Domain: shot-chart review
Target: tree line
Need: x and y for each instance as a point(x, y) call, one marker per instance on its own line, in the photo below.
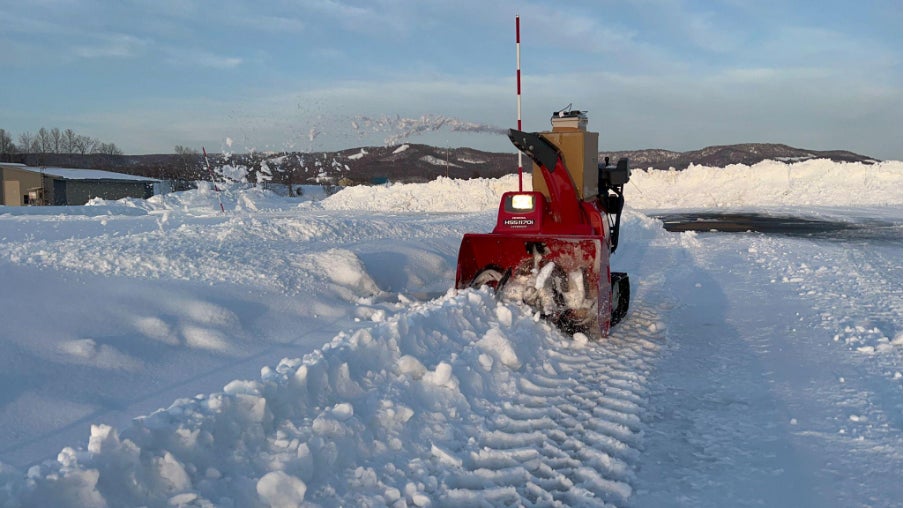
point(54, 141)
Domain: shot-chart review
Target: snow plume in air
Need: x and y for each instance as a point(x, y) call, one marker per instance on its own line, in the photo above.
point(399, 128)
point(313, 133)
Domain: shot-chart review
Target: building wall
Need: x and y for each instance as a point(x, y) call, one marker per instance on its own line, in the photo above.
point(55, 191)
point(79, 192)
point(16, 183)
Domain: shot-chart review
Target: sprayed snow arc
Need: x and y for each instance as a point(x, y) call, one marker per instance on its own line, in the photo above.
point(316, 355)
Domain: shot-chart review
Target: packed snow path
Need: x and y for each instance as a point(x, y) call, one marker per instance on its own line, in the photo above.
point(781, 381)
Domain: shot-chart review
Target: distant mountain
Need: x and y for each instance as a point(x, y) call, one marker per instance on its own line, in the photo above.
point(410, 162)
point(415, 162)
point(721, 156)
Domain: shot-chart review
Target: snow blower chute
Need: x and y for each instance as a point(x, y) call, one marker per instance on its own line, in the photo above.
point(550, 248)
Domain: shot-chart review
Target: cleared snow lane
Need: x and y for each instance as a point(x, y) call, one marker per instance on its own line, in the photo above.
point(781, 382)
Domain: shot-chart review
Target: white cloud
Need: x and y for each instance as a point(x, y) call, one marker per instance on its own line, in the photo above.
point(199, 57)
point(379, 17)
point(272, 23)
point(112, 46)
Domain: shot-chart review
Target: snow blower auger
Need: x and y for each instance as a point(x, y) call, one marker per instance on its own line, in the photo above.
point(550, 248)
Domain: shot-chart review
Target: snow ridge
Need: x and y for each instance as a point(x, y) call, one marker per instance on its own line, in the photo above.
point(818, 182)
point(461, 400)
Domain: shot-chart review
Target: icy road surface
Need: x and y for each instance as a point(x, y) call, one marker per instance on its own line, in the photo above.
point(307, 367)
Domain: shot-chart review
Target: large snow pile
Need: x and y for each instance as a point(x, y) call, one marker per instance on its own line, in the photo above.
point(440, 195)
point(818, 182)
point(206, 199)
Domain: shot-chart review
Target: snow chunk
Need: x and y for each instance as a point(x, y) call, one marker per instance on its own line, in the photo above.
point(281, 490)
point(411, 366)
point(347, 271)
point(442, 376)
point(444, 456)
point(102, 437)
point(504, 315)
point(185, 499)
point(499, 346)
point(172, 475)
point(343, 411)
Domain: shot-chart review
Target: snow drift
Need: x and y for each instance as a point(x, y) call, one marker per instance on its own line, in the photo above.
point(818, 182)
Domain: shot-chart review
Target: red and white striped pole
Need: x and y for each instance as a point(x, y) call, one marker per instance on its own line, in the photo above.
point(518, 72)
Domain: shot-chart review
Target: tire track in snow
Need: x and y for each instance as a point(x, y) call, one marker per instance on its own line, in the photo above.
point(570, 433)
point(755, 403)
point(850, 296)
point(843, 280)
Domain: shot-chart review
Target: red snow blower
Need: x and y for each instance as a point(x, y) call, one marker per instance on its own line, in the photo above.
point(551, 246)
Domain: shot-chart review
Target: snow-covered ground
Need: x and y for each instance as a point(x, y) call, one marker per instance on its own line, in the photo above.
point(309, 351)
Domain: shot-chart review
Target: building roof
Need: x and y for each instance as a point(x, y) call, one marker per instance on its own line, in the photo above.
point(80, 174)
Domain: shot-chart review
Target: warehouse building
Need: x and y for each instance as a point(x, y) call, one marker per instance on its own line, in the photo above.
point(25, 185)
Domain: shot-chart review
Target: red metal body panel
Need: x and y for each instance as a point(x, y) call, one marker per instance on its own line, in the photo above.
point(566, 214)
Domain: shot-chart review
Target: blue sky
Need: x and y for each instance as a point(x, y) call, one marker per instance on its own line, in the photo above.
point(240, 75)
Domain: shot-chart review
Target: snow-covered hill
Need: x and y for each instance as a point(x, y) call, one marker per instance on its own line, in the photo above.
point(309, 351)
point(408, 162)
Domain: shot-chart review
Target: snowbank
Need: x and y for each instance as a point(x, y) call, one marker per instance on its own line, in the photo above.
point(201, 202)
point(386, 416)
point(813, 183)
point(818, 182)
point(440, 195)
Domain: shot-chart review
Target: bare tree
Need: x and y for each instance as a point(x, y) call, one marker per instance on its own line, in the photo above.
point(27, 142)
point(85, 144)
point(188, 158)
point(6, 143)
point(56, 140)
point(106, 148)
point(69, 141)
point(184, 150)
point(43, 140)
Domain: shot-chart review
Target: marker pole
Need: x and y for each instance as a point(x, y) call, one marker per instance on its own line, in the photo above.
point(518, 72)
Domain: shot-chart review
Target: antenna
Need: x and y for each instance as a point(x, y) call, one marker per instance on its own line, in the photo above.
point(567, 109)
